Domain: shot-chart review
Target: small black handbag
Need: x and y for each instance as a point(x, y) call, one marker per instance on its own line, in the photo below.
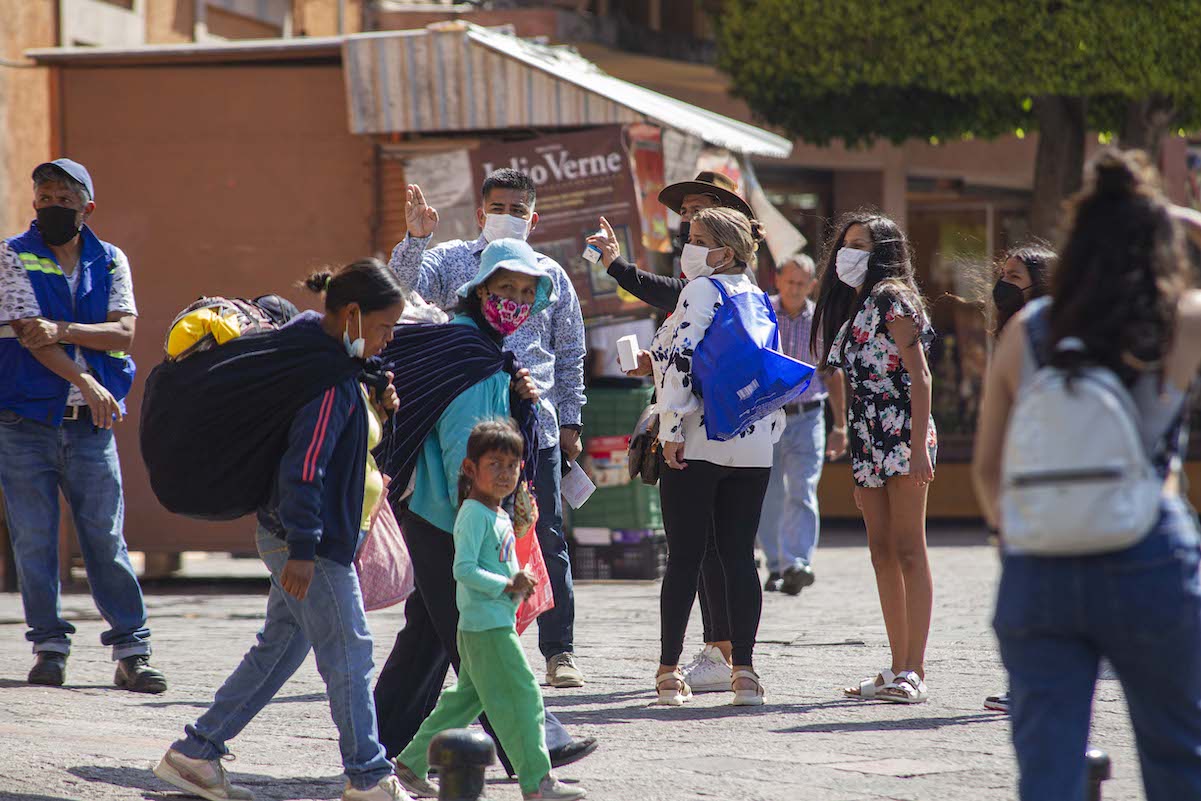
point(646, 453)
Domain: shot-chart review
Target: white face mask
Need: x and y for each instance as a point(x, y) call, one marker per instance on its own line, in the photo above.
point(851, 266)
point(694, 261)
point(355, 349)
point(505, 226)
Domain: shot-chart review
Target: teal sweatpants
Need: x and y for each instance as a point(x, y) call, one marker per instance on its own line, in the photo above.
point(494, 678)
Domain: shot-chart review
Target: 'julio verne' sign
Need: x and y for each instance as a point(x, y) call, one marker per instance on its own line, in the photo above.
point(579, 176)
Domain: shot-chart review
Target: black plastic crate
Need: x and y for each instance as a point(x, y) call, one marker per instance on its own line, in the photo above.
point(636, 561)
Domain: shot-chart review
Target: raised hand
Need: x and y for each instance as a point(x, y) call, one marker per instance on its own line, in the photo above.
point(607, 242)
point(422, 219)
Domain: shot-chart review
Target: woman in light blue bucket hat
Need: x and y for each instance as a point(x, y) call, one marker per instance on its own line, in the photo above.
point(509, 288)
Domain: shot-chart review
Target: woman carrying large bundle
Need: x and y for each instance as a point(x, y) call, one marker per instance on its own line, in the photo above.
point(309, 531)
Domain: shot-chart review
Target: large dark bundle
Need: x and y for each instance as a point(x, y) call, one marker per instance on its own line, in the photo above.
point(215, 425)
point(432, 365)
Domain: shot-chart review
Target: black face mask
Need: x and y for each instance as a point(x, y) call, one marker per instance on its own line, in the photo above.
point(1009, 298)
point(57, 224)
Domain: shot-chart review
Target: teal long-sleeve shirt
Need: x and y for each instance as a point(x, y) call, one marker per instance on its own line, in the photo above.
point(435, 496)
point(485, 562)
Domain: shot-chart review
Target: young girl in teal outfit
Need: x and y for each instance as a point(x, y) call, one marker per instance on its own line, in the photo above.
point(494, 676)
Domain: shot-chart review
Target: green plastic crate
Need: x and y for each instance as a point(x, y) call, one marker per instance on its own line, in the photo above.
point(634, 505)
point(612, 411)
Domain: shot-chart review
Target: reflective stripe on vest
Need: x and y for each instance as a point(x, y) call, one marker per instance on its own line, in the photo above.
point(32, 263)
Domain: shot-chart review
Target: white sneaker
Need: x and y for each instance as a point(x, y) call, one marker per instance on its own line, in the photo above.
point(709, 672)
point(203, 777)
point(388, 789)
point(551, 789)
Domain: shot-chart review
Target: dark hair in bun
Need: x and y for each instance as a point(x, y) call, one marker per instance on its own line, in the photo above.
point(367, 282)
point(1121, 268)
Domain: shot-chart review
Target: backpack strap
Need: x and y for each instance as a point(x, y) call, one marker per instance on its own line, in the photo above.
point(1037, 322)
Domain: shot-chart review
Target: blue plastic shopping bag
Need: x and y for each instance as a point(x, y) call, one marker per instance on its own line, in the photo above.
point(738, 369)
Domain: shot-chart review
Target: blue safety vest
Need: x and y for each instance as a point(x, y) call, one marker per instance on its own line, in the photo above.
point(27, 387)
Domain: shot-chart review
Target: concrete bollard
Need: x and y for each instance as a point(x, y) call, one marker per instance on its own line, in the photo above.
point(461, 757)
point(1099, 770)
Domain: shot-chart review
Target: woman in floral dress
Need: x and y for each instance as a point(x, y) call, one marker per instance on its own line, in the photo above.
point(872, 314)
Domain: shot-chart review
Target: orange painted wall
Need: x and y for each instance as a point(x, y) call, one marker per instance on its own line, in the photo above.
point(26, 129)
point(233, 181)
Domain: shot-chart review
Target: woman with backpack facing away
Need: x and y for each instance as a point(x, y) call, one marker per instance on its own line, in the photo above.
point(326, 488)
point(871, 314)
point(1117, 577)
point(709, 484)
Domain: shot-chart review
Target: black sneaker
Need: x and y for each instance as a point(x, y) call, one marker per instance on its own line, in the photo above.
point(797, 578)
point(135, 674)
point(574, 751)
point(50, 669)
point(773, 582)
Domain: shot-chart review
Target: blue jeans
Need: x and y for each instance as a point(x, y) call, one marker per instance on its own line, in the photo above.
point(790, 524)
point(36, 461)
point(330, 621)
point(556, 627)
point(1140, 608)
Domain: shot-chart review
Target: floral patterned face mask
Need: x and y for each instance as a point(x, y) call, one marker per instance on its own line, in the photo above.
point(505, 315)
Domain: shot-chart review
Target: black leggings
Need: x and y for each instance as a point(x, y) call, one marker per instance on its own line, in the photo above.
point(701, 498)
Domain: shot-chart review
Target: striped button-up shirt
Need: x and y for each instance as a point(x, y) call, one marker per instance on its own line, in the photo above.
point(794, 342)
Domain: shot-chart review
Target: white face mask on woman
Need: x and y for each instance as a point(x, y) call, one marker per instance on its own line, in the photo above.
point(694, 261)
point(851, 266)
point(505, 226)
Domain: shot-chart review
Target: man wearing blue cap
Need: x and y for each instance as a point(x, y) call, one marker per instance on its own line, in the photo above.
point(550, 346)
point(67, 317)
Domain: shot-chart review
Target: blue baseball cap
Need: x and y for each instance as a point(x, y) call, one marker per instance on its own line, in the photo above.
point(74, 169)
point(518, 256)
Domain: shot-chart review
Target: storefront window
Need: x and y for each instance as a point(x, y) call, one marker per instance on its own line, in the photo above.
point(952, 252)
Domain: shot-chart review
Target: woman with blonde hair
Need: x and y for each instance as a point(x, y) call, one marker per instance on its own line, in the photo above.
point(709, 484)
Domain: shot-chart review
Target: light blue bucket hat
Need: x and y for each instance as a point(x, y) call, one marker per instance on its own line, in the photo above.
point(518, 256)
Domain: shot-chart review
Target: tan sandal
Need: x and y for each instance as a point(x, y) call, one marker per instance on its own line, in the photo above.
point(744, 697)
point(672, 689)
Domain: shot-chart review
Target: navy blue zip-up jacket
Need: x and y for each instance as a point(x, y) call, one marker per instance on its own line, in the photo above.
point(316, 500)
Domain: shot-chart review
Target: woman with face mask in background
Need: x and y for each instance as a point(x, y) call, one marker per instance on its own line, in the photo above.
point(1025, 274)
point(872, 315)
point(709, 484)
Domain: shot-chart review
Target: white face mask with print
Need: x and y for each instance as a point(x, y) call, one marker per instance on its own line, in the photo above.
point(505, 226)
point(694, 261)
point(851, 266)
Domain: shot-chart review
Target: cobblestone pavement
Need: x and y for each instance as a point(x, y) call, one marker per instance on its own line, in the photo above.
point(91, 741)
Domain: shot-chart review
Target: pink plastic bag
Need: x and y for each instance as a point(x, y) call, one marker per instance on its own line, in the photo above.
point(385, 570)
point(529, 556)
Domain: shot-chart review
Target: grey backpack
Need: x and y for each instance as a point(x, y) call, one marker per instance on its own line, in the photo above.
point(1077, 477)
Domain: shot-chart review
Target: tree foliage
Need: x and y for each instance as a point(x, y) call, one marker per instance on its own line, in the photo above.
point(895, 69)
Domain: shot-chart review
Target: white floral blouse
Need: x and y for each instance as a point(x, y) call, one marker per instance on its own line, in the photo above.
point(880, 408)
point(681, 414)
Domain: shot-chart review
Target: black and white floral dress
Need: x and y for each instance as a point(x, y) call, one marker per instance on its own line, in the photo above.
point(880, 415)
